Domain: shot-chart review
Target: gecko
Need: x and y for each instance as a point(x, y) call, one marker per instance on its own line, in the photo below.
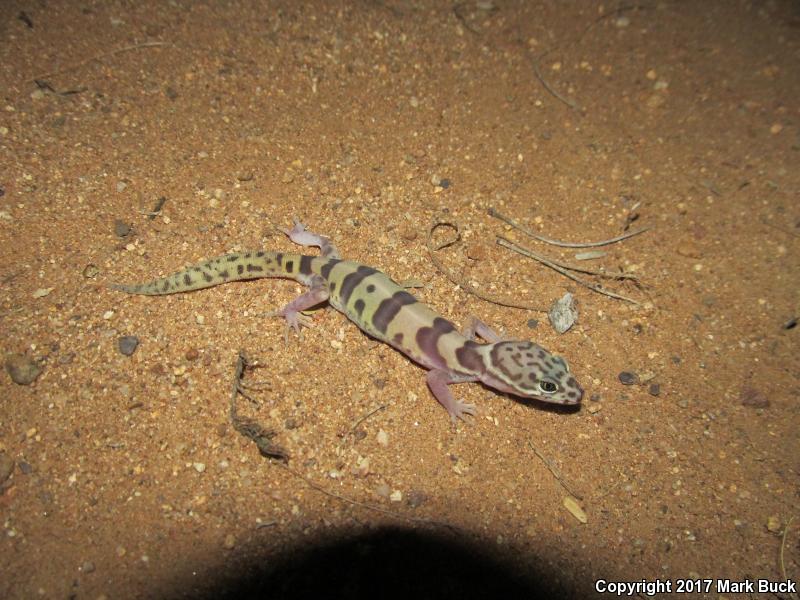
point(388, 312)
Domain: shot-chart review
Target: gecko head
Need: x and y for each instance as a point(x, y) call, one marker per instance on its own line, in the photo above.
point(528, 370)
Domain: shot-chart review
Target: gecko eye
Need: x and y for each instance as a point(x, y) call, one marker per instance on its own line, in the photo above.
point(548, 387)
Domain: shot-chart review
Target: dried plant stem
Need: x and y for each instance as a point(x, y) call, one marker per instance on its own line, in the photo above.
point(541, 238)
point(588, 284)
point(463, 284)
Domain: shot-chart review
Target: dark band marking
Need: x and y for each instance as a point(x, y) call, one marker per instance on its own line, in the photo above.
point(224, 274)
point(326, 269)
point(332, 287)
point(197, 269)
point(305, 265)
point(260, 253)
point(428, 339)
point(358, 306)
point(352, 281)
point(165, 287)
point(469, 357)
point(240, 269)
point(254, 268)
point(187, 280)
point(207, 277)
point(387, 310)
point(370, 288)
point(279, 259)
point(248, 255)
point(233, 258)
point(499, 364)
point(289, 267)
point(398, 339)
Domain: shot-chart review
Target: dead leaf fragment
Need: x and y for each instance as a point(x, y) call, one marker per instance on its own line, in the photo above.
point(575, 509)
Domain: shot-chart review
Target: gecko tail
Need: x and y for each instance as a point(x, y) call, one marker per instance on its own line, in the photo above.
point(230, 267)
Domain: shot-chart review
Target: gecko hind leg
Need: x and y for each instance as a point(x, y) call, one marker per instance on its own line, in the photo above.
point(316, 294)
point(299, 235)
point(476, 326)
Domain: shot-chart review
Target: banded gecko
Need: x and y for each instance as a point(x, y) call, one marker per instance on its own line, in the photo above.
point(387, 312)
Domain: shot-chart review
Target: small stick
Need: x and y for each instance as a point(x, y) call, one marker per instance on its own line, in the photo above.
point(101, 56)
point(588, 284)
point(536, 71)
point(536, 236)
point(579, 268)
point(365, 417)
point(365, 505)
point(464, 284)
point(555, 472)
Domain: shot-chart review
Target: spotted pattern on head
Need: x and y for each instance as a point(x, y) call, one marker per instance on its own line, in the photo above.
point(532, 372)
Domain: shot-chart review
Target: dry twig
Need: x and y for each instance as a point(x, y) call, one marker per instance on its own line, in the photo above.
point(463, 284)
point(536, 236)
point(40, 78)
point(556, 473)
point(588, 284)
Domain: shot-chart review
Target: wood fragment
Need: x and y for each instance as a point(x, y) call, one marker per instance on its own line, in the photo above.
point(461, 282)
point(541, 238)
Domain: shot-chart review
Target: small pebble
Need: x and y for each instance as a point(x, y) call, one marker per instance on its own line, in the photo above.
point(628, 378)
point(199, 467)
point(383, 490)
point(121, 228)
point(230, 541)
point(90, 271)
point(654, 389)
point(383, 438)
point(416, 498)
point(192, 354)
point(88, 567)
point(563, 313)
point(22, 369)
point(533, 323)
point(127, 344)
point(25, 467)
point(749, 396)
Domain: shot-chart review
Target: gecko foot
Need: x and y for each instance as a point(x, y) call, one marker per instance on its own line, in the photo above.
point(300, 235)
point(294, 320)
point(459, 410)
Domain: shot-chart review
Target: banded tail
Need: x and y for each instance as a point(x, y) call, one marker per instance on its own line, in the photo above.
point(230, 267)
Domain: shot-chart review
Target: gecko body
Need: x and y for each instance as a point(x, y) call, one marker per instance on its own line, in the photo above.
point(389, 313)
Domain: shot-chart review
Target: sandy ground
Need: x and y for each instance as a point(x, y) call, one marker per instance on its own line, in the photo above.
point(136, 138)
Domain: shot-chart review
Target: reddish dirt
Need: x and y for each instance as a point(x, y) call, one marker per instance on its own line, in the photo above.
point(123, 476)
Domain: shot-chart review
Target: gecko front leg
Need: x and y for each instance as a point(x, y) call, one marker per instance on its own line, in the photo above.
point(438, 380)
point(299, 235)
